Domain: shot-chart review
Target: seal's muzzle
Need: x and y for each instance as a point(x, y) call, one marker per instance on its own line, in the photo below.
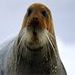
point(34, 25)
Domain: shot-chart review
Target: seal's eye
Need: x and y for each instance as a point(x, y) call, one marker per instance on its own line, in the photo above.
point(44, 13)
point(29, 11)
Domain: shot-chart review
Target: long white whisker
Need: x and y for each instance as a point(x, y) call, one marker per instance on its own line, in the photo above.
point(50, 42)
point(46, 33)
point(20, 48)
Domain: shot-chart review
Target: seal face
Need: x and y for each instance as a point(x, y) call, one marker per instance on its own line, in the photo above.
point(37, 20)
point(34, 51)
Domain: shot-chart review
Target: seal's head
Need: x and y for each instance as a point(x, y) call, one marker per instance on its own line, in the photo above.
point(37, 22)
point(37, 27)
point(38, 15)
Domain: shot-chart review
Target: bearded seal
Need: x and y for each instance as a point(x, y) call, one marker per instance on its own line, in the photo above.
point(34, 51)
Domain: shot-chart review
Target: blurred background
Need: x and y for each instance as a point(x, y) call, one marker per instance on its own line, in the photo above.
point(63, 12)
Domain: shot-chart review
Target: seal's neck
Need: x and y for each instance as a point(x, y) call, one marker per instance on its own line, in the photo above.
point(36, 63)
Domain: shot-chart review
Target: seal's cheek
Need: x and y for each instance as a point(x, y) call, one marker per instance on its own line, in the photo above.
point(47, 24)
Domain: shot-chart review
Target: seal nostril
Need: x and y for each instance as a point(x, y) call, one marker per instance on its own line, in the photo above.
point(34, 23)
point(35, 18)
point(34, 33)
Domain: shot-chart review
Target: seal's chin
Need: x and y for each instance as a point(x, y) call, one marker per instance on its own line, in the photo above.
point(35, 49)
point(34, 45)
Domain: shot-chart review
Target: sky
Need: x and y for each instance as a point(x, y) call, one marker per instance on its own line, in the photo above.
point(63, 13)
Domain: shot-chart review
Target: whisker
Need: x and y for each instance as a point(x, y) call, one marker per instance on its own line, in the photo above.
point(52, 36)
point(50, 42)
point(18, 46)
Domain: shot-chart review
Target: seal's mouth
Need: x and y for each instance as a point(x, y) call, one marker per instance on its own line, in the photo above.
point(35, 49)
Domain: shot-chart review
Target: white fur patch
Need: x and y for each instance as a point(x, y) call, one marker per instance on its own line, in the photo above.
point(27, 38)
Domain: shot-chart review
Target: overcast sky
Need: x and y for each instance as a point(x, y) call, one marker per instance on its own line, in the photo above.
point(63, 12)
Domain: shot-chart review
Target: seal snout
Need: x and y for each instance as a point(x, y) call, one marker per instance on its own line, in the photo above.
point(34, 25)
point(34, 22)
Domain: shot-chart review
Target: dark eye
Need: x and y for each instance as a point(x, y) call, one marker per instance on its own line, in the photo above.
point(44, 13)
point(29, 11)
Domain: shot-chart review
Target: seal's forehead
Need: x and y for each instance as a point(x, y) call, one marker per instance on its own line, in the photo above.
point(39, 7)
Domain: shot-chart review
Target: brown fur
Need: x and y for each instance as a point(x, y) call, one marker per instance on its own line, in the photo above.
point(46, 23)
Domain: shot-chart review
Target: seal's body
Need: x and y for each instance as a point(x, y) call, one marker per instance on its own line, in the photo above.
point(34, 51)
